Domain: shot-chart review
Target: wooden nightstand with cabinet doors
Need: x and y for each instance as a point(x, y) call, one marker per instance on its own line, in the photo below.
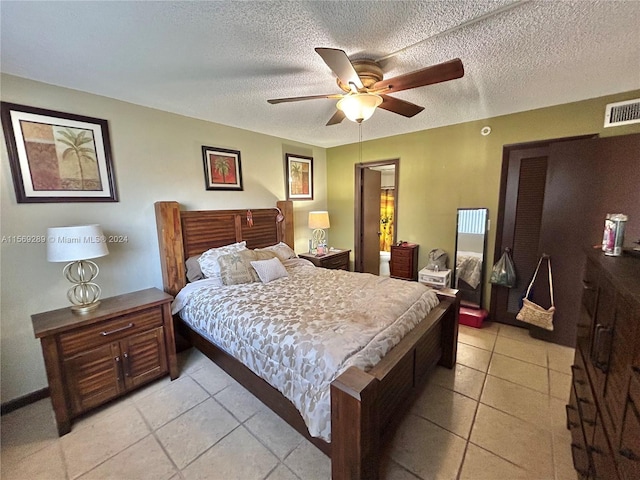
point(93, 358)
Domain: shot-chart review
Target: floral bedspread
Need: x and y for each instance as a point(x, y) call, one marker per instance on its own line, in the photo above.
point(302, 331)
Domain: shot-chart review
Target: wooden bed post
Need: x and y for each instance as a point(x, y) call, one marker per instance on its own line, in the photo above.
point(354, 419)
point(450, 328)
point(171, 246)
point(286, 227)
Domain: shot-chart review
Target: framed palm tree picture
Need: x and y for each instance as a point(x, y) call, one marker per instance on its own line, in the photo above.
point(299, 177)
point(222, 169)
point(58, 157)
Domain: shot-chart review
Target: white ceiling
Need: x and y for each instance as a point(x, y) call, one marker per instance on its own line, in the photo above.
point(221, 60)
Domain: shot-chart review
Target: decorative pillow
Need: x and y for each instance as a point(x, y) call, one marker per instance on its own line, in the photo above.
point(209, 260)
point(235, 268)
point(193, 269)
point(282, 250)
point(269, 270)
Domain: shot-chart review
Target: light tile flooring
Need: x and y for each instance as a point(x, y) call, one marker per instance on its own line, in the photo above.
point(498, 415)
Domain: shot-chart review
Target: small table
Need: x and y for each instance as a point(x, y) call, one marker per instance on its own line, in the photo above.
point(93, 358)
point(335, 259)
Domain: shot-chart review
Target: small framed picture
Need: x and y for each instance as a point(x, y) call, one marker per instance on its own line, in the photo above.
point(58, 157)
point(299, 177)
point(222, 169)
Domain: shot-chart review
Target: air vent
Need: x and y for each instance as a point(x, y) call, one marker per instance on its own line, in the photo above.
point(622, 113)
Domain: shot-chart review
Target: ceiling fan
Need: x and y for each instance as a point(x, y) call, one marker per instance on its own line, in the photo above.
point(365, 88)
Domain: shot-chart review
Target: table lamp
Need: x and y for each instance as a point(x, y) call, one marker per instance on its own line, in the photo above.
point(78, 244)
point(318, 221)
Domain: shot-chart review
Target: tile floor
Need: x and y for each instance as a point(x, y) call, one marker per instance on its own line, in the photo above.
point(498, 415)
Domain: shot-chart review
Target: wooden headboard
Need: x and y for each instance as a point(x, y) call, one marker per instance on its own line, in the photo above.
point(183, 234)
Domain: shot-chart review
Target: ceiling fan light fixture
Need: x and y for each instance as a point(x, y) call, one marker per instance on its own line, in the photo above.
point(359, 107)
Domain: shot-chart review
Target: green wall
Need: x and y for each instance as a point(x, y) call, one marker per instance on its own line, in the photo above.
point(446, 168)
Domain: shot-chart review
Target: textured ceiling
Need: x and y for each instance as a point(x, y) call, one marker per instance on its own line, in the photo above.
point(221, 60)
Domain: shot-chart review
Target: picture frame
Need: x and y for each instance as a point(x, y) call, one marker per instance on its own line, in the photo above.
point(57, 156)
point(222, 168)
point(299, 177)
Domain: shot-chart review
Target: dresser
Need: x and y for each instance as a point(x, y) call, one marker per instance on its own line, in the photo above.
point(404, 261)
point(603, 413)
point(335, 259)
point(93, 358)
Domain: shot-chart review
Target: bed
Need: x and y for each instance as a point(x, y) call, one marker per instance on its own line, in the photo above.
point(365, 404)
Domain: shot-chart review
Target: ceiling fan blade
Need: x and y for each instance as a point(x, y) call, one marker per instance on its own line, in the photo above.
point(337, 118)
point(401, 107)
point(273, 101)
point(426, 76)
point(340, 64)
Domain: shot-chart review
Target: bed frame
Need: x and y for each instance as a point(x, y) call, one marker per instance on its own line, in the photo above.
point(365, 406)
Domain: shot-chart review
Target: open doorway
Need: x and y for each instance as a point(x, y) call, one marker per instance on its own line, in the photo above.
point(376, 213)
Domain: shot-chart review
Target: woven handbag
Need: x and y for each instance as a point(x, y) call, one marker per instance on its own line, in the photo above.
point(533, 313)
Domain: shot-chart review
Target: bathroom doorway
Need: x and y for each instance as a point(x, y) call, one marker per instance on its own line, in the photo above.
point(376, 213)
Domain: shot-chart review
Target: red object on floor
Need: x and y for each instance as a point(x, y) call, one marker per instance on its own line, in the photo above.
point(472, 317)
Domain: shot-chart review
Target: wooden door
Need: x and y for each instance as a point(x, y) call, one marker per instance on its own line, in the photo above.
point(371, 181)
point(144, 357)
point(519, 223)
point(367, 214)
point(94, 377)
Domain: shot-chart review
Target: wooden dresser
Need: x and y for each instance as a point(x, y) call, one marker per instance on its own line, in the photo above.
point(90, 359)
point(404, 261)
point(603, 413)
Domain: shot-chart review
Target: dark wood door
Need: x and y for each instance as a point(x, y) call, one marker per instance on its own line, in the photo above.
point(519, 223)
point(553, 200)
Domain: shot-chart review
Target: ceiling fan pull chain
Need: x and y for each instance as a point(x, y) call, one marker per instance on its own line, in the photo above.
point(360, 139)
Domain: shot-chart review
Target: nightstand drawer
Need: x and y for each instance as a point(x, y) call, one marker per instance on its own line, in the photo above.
point(340, 261)
point(92, 336)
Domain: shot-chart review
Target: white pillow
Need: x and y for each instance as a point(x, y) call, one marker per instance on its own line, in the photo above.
point(209, 260)
point(269, 270)
point(282, 250)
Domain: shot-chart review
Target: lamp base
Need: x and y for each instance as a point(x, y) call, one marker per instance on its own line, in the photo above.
point(84, 309)
point(84, 294)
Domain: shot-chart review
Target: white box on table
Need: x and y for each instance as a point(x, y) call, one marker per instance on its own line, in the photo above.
point(435, 278)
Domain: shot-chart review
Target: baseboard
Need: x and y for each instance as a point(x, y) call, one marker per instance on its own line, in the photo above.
point(23, 401)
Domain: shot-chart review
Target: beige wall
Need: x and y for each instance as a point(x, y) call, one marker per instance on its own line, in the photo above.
point(157, 156)
point(443, 169)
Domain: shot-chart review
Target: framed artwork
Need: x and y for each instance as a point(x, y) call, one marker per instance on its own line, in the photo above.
point(58, 157)
point(299, 177)
point(222, 169)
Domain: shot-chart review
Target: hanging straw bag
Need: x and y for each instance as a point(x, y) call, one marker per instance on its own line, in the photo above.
point(533, 313)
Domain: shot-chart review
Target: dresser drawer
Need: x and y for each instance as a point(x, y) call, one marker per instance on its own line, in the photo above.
point(84, 339)
point(402, 253)
point(629, 452)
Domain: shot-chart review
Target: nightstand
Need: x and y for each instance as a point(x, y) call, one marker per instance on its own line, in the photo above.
point(404, 261)
point(93, 358)
point(335, 259)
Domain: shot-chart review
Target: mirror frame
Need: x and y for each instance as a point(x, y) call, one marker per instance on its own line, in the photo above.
point(479, 291)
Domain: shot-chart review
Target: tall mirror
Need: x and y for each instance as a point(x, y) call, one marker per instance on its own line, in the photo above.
point(471, 242)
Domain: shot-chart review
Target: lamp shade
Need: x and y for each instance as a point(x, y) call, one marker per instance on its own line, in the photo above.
point(319, 219)
point(359, 107)
point(82, 242)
